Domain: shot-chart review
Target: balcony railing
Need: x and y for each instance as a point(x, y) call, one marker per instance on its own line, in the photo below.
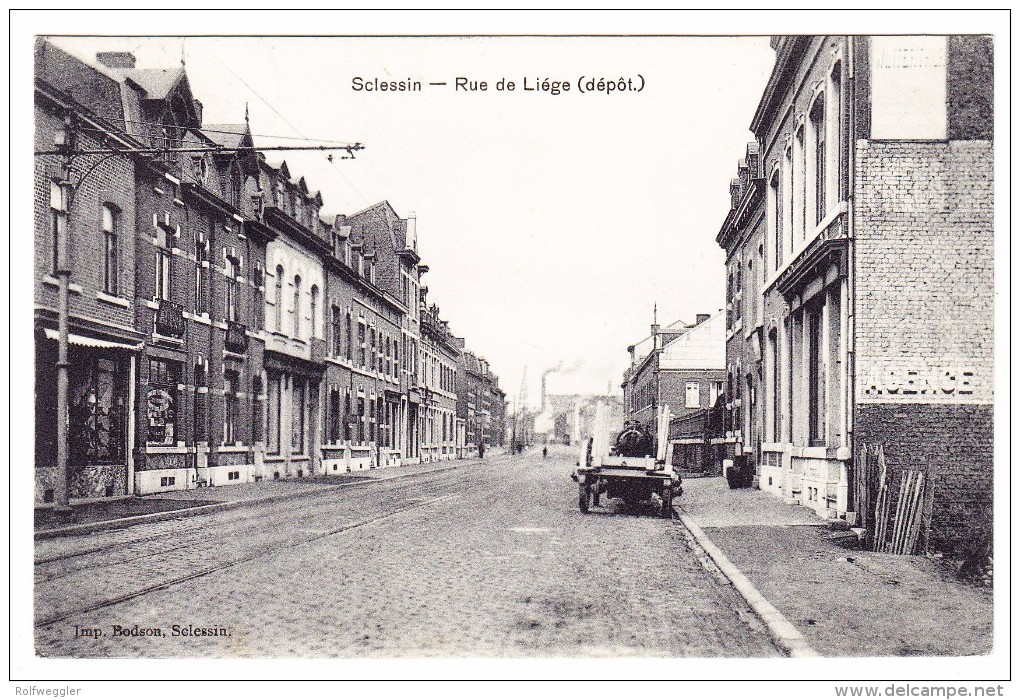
point(237, 337)
point(170, 319)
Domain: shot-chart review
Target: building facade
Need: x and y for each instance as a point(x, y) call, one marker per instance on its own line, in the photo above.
point(440, 357)
point(665, 371)
point(742, 236)
point(198, 319)
point(84, 270)
point(481, 405)
point(876, 291)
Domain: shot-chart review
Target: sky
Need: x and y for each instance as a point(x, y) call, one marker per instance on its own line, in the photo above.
point(551, 224)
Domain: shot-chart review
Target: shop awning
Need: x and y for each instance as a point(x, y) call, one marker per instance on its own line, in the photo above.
point(87, 342)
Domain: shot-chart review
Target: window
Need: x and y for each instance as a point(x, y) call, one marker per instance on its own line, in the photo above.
point(333, 436)
point(361, 419)
point(818, 132)
point(235, 185)
point(164, 264)
point(775, 219)
point(337, 330)
point(373, 356)
point(297, 306)
point(799, 185)
point(836, 133)
point(97, 410)
point(347, 416)
point(279, 298)
point(231, 406)
point(297, 417)
point(748, 298)
point(315, 310)
point(111, 249)
point(58, 221)
point(201, 274)
point(161, 402)
point(361, 344)
point(274, 408)
point(692, 398)
point(371, 421)
point(260, 296)
point(775, 397)
point(814, 322)
point(258, 406)
point(201, 396)
point(350, 339)
point(231, 270)
point(714, 389)
point(786, 202)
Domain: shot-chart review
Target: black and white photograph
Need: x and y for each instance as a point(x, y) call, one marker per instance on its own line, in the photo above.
point(558, 348)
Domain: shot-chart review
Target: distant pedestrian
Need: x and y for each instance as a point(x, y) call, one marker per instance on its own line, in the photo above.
point(545, 451)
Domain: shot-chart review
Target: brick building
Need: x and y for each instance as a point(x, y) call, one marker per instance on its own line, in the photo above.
point(875, 273)
point(88, 202)
point(440, 357)
point(219, 327)
point(674, 368)
point(481, 404)
point(742, 236)
point(366, 405)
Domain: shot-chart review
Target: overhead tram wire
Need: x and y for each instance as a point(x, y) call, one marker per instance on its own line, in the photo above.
point(208, 131)
point(350, 148)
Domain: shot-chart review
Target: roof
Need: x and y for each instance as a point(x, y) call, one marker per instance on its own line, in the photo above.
point(702, 347)
point(227, 135)
point(158, 83)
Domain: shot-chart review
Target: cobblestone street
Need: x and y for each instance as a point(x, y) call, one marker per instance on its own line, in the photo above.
point(488, 559)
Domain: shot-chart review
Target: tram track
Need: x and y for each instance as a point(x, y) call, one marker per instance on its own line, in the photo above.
point(101, 582)
point(243, 513)
point(260, 553)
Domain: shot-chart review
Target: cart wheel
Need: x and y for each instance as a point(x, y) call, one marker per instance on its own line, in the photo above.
point(667, 504)
point(582, 498)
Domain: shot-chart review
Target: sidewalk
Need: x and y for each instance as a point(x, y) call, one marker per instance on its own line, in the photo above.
point(108, 514)
point(845, 602)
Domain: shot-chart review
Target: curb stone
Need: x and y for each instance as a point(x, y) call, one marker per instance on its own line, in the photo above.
point(117, 523)
point(783, 632)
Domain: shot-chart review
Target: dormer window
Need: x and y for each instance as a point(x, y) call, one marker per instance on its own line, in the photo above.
point(257, 204)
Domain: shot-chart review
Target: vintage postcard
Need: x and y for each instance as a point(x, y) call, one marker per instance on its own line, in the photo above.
point(514, 346)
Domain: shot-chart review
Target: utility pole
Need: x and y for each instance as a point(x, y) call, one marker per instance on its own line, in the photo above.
point(63, 273)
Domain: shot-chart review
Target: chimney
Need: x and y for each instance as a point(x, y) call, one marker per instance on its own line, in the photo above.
point(116, 59)
point(412, 231)
point(702, 318)
point(198, 111)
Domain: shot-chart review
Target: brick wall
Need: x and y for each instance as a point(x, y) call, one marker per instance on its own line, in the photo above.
point(111, 182)
point(924, 322)
point(954, 443)
point(923, 263)
point(673, 388)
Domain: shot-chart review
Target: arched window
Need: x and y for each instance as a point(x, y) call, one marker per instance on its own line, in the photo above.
point(818, 126)
point(315, 309)
point(836, 129)
point(279, 298)
point(297, 305)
